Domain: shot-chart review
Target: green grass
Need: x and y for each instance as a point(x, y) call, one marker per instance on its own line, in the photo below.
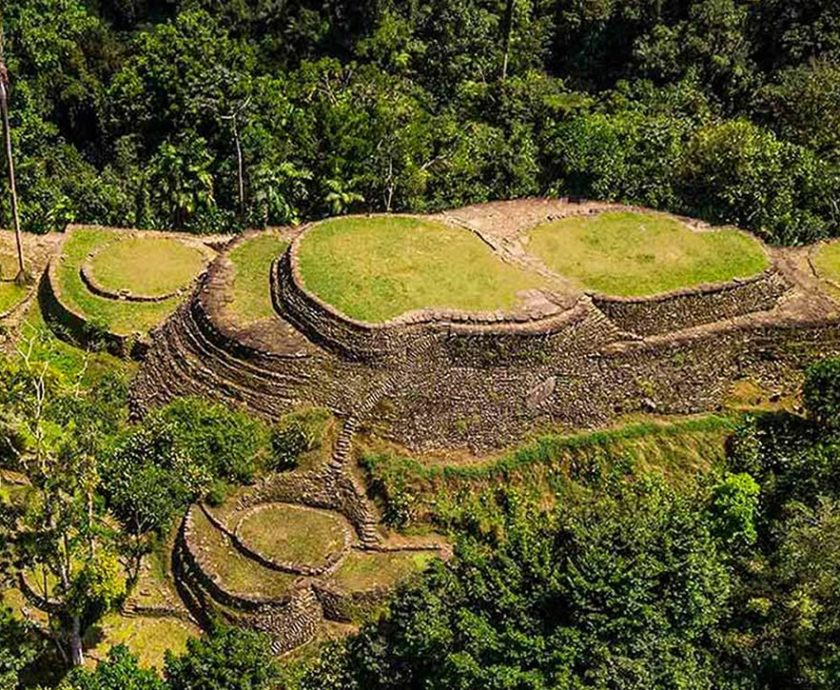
point(63, 358)
point(252, 260)
point(152, 266)
point(293, 533)
point(636, 254)
point(237, 573)
point(681, 451)
point(147, 637)
point(827, 261)
point(10, 296)
point(367, 570)
point(117, 316)
point(374, 269)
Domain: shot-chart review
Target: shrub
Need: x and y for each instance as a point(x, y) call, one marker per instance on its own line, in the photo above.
point(735, 507)
point(225, 659)
point(297, 433)
point(822, 393)
point(287, 445)
point(230, 443)
point(217, 493)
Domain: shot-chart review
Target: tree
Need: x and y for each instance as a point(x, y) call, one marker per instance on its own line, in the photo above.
point(735, 509)
point(120, 671)
point(60, 550)
point(224, 659)
point(18, 648)
point(21, 277)
point(822, 393)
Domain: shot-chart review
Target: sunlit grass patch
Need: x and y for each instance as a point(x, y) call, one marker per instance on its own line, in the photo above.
point(634, 254)
point(374, 269)
point(363, 570)
point(116, 316)
point(293, 534)
point(151, 266)
point(251, 292)
point(147, 637)
point(827, 261)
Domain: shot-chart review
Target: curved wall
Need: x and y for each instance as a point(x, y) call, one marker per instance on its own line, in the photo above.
point(477, 337)
point(681, 309)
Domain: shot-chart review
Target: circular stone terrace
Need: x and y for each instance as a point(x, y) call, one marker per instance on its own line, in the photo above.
point(167, 268)
point(365, 285)
point(473, 326)
point(117, 285)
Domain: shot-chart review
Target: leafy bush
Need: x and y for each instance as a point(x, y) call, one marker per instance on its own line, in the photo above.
point(822, 393)
point(225, 659)
point(296, 434)
point(188, 450)
point(229, 443)
point(287, 445)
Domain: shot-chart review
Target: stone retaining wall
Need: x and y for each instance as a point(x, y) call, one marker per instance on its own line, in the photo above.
point(346, 607)
point(703, 304)
point(203, 572)
point(76, 325)
point(271, 562)
point(88, 275)
point(375, 343)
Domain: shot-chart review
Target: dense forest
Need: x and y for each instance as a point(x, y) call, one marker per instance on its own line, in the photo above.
point(207, 115)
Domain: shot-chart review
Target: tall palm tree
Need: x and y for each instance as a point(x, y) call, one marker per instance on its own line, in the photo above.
point(10, 164)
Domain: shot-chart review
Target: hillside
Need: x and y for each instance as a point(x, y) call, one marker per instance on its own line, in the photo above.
point(429, 345)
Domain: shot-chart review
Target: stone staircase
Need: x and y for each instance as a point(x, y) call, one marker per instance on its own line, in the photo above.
point(298, 623)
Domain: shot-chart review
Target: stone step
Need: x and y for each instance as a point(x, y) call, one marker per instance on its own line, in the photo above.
point(293, 373)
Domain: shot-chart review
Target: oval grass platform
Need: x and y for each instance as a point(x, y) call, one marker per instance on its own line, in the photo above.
point(826, 262)
point(251, 289)
point(294, 534)
point(230, 569)
point(375, 268)
point(632, 254)
point(121, 317)
point(148, 267)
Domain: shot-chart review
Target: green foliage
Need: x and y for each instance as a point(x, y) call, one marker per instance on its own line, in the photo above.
point(226, 659)
point(298, 437)
point(19, 647)
point(595, 589)
point(188, 450)
point(56, 434)
point(119, 671)
point(143, 113)
point(288, 443)
point(735, 508)
point(737, 172)
point(822, 393)
point(229, 443)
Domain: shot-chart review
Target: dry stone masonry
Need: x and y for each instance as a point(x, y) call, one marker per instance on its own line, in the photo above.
point(438, 379)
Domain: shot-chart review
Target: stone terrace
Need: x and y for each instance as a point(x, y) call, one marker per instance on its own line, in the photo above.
point(447, 379)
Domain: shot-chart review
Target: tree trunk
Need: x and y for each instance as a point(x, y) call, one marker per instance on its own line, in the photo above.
point(240, 170)
point(4, 111)
point(507, 28)
point(77, 655)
